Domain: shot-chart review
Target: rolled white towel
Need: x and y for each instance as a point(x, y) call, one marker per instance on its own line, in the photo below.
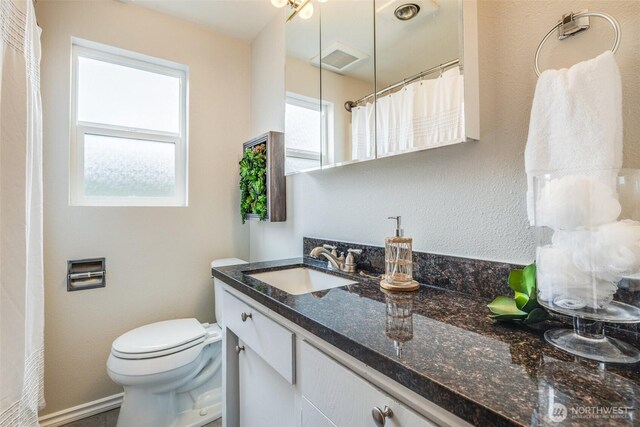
point(576, 201)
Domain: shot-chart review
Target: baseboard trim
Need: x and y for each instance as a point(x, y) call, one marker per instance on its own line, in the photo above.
point(79, 412)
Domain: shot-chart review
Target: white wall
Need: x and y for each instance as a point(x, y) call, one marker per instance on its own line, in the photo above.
point(467, 199)
point(157, 258)
point(267, 113)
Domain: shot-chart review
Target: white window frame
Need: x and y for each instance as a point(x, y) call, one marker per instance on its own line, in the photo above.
point(326, 138)
point(78, 129)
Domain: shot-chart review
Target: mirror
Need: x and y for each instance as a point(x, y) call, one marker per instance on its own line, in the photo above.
point(367, 79)
point(303, 110)
point(347, 74)
point(420, 101)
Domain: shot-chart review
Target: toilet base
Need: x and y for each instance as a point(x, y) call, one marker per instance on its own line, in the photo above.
point(181, 408)
point(199, 417)
point(189, 396)
point(207, 408)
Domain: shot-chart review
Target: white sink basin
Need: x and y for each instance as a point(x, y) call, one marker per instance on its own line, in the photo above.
point(300, 280)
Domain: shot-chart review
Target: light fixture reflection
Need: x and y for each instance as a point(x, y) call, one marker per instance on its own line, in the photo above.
point(279, 3)
point(307, 11)
point(303, 8)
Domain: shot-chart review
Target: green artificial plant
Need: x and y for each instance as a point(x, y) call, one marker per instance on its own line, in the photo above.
point(253, 182)
point(523, 307)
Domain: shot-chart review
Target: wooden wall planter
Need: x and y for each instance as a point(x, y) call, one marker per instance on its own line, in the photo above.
point(276, 183)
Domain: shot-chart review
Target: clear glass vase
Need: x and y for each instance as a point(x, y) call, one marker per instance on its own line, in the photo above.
point(588, 249)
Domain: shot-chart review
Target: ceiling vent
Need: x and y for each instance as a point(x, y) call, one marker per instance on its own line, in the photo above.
point(339, 57)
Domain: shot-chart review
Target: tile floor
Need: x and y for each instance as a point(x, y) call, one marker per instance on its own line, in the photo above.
point(109, 418)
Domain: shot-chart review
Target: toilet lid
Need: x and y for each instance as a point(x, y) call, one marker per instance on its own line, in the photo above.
point(157, 339)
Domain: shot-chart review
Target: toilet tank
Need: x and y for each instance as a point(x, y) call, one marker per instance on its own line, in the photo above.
point(217, 284)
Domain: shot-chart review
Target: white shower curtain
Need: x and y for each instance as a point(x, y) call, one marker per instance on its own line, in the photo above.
point(438, 110)
point(427, 113)
point(21, 271)
point(394, 121)
point(362, 132)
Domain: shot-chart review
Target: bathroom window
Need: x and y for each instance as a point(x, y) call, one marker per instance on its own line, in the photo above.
point(307, 128)
point(128, 128)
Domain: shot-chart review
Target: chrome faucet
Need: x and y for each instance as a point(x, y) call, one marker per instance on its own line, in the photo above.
point(336, 262)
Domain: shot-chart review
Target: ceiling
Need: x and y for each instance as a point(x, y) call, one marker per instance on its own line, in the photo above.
point(403, 48)
point(242, 19)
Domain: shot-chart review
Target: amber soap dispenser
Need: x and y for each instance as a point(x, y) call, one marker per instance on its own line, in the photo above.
point(398, 261)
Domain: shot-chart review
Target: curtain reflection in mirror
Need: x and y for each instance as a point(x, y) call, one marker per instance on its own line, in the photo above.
point(422, 114)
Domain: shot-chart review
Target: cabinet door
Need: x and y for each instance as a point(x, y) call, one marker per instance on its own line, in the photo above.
point(345, 398)
point(265, 397)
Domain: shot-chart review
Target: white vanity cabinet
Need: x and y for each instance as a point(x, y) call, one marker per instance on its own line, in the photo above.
point(277, 374)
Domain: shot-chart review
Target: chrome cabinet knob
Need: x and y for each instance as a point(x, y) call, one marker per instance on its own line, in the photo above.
point(380, 415)
point(239, 349)
point(245, 316)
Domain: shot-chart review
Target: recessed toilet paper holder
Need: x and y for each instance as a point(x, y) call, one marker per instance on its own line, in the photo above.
point(86, 274)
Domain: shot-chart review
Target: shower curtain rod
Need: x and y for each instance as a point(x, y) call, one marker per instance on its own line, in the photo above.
point(350, 104)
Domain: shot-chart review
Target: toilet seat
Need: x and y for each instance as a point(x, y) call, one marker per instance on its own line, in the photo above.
point(159, 339)
point(161, 347)
point(154, 354)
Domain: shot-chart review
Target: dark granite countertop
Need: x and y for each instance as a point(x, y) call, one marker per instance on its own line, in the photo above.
point(450, 352)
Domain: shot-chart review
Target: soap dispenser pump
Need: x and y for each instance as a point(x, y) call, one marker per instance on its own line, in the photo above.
point(398, 261)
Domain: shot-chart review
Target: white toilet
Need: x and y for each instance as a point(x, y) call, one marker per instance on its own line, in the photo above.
point(171, 370)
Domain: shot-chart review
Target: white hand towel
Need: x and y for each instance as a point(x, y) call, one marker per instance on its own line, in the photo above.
point(576, 121)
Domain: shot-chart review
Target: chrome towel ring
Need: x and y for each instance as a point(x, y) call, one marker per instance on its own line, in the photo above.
point(570, 19)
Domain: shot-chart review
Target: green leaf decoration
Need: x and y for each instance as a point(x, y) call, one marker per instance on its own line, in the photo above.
point(529, 279)
point(523, 307)
point(253, 182)
point(536, 315)
point(505, 306)
point(508, 317)
point(521, 299)
point(532, 304)
point(515, 281)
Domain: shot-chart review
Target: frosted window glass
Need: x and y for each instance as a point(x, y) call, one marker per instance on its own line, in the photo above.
point(122, 167)
point(124, 96)
point(302, 128)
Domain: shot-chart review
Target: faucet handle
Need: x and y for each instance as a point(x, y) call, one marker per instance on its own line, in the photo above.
point(350, 262)
point(331, 248)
